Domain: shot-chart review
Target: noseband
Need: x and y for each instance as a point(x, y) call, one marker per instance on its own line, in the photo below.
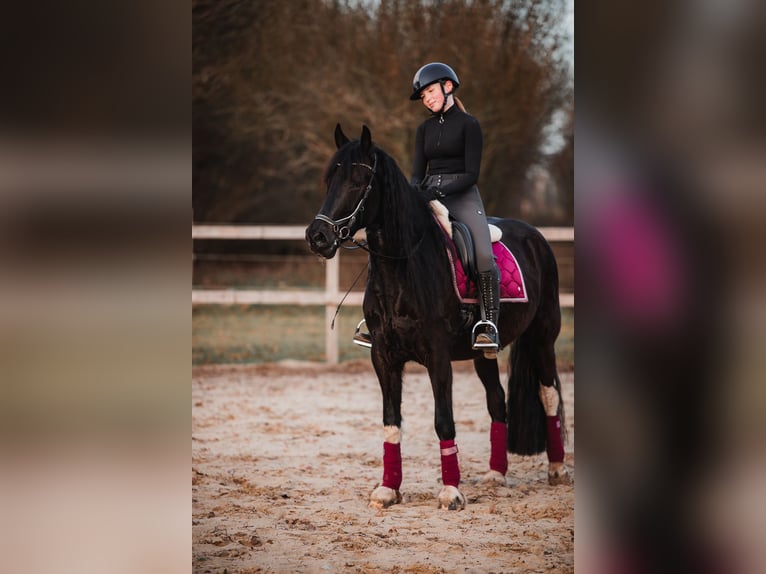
point(342, 227)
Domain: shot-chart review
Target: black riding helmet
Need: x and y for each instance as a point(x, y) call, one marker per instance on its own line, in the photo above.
point(430, 74)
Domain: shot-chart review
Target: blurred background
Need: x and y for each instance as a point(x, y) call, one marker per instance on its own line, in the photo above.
point(271, 79)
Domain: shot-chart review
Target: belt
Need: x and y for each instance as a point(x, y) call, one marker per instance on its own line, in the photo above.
point(438, 178)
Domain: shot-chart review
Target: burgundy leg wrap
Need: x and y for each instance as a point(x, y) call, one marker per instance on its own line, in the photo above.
point(392, 465)
point(498, 458)
point(555, 449)
point(450, 466)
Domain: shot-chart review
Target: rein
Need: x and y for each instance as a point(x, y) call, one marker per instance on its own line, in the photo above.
point(383, 255)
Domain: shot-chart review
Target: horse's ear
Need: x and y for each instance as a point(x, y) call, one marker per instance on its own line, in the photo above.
point(340, 137)
point(366, 139)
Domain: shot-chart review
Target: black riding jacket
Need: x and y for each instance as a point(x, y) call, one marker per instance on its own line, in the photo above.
point(448, 143)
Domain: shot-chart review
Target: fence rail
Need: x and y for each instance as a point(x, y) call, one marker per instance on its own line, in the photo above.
point(330, 297)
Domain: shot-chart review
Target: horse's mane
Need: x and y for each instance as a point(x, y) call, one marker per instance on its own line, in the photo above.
point(406, 224)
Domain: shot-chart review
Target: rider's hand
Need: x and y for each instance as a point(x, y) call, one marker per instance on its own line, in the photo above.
point(429, 192)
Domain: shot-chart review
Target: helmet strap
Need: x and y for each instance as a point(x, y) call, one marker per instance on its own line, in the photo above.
point(446, 95)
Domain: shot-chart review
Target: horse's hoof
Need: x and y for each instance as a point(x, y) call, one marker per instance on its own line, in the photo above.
point(558, 474)
point(493, 477)
point(383, 497)
point(450, 498)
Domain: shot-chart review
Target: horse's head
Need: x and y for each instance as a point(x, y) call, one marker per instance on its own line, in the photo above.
point(349, 205)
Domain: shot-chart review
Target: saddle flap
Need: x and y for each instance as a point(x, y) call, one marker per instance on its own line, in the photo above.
point(461, 236)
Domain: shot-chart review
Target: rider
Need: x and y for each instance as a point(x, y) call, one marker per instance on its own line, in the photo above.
point(448, 148)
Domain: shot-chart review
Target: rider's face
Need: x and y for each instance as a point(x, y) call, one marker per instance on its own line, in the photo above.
point(432, 96)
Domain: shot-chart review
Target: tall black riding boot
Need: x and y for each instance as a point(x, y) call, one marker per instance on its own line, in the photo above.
point(485, 335)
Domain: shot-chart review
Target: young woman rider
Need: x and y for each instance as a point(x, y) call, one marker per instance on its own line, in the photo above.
point(446, 163)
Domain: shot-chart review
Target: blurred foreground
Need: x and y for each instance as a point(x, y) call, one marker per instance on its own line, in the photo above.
point(670, 172)
point(95, 209)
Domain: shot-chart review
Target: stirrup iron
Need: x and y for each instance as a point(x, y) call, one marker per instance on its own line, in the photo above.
point(480, 345)
point(362, 339)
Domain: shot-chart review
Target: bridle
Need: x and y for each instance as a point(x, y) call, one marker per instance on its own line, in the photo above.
point(342, 227)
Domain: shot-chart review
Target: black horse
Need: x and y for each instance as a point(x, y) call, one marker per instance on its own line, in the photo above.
point(414, 314)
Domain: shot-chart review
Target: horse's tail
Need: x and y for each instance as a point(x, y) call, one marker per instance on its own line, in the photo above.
point(532, 362)
point(527, 431)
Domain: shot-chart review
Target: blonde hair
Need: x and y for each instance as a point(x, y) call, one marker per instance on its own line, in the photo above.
point(458, 103)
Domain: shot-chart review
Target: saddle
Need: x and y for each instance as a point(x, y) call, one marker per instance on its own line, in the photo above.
point(461, 237)
point(463, 256)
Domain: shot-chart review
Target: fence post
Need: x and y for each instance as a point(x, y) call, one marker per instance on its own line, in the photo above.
point(332, 274)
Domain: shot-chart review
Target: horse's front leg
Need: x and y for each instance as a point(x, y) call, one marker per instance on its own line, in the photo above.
point(440, 372)
point(390, 379)
point(498, 459)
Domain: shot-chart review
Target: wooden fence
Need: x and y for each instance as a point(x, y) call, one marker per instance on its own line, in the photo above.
point(330, 297)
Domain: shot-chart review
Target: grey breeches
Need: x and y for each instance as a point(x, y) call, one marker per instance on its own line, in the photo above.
point(468, 208)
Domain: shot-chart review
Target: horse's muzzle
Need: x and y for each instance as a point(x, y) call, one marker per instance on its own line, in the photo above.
point(321, 239)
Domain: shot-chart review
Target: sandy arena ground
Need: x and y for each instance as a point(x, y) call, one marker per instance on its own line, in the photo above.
point(284, 458)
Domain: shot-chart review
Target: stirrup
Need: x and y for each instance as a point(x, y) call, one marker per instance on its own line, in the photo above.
point(489, 347)
point(362, 339)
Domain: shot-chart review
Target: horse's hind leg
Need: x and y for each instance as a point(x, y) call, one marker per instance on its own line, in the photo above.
point(390, 379)
point(498, 459)
point(550, 397)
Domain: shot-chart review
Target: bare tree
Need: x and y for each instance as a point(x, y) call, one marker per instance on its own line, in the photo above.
point(271, 79)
